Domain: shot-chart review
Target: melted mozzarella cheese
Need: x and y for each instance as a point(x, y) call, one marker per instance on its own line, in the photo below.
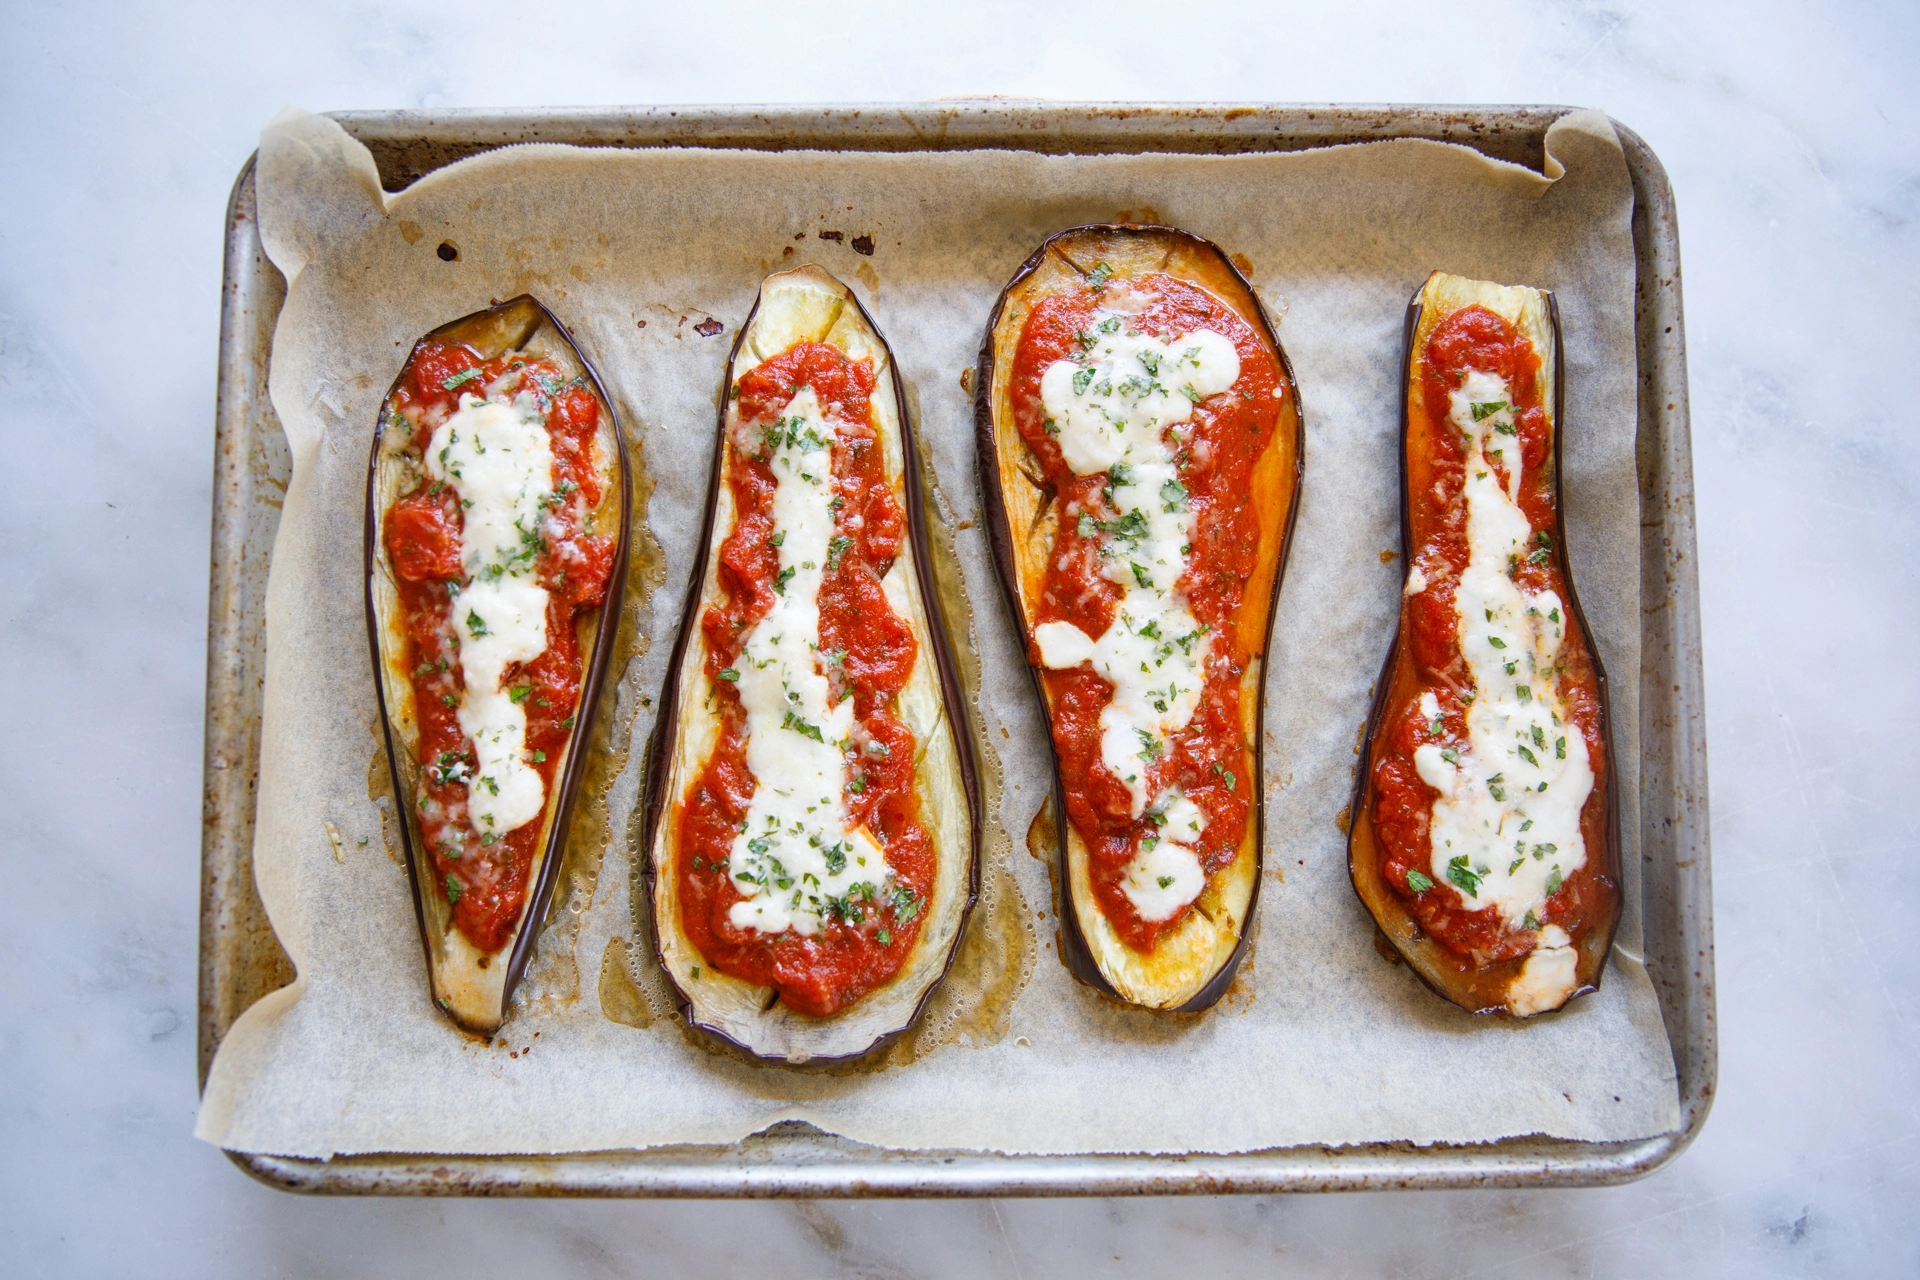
point(1547, 978)
point(1062, 645)
point(1505, 829)
point(498, 457)
point(1165, 875)
point(1122, 411)
point(795, 857)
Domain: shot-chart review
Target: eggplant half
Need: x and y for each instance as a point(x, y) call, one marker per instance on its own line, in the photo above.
point(1484, 836)
point(813, 807)
point(1139, 439)
point(498, 503)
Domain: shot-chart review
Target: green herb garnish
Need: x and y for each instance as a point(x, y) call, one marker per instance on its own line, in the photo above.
point(1463, 877)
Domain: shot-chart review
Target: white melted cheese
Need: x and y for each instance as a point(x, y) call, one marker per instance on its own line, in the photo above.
point(1166, 874)
point(794, 856)
point(1506, 827)
point(1122, 408)
point(1547, 978)
point(498, 457)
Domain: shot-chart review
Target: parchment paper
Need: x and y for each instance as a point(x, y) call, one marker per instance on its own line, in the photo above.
point(1323, 1041)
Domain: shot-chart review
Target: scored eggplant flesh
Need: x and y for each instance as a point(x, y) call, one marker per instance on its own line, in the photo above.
point(471, 986)
point(1190, 967)
point(809, 305)
point(1499, 985)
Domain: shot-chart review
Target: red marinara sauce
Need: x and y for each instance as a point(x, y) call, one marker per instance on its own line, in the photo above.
point(1475, 338)
point(486, 883)
point(847, 958)
point(1210, 760)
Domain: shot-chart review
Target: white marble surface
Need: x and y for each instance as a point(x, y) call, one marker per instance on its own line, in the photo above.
point(1790, 135)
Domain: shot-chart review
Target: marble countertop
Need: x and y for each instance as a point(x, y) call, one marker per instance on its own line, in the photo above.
point(1789, 132)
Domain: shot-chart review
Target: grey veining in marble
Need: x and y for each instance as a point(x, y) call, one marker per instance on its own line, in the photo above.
point(1790, 135)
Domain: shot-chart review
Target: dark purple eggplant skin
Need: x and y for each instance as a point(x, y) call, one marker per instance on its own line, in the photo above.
point(1394, 929)
point(659, 764)
point(601, 657)
point(1074, 950)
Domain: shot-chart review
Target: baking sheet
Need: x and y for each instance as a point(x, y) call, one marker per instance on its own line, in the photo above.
point(1341, 236)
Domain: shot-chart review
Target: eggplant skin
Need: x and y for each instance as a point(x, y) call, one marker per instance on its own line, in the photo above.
point(809, 304)
point(470, 987)
point(1191, 967)
point(1484, 989)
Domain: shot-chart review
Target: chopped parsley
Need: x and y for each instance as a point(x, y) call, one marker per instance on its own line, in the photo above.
point(1463, 877)
point(1418, 882)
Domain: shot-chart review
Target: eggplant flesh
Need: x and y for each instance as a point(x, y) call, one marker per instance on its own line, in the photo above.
point(1192, 964)
point(1488, 984)
point(471, 986)
point(808, 304)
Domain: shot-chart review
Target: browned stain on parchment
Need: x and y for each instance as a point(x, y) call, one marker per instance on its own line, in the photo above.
point(632, 990)
point(380, 791)
point(1043, 843)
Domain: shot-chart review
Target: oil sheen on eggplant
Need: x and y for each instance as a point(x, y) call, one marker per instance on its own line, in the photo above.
point(1218, 350)
point(473, 986)
point(798, 313)
point(1557, 722)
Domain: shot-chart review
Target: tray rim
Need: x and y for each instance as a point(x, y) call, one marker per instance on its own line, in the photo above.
point(798, 1160)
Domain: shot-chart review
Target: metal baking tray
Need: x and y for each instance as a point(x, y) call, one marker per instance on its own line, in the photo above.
point(241, 960)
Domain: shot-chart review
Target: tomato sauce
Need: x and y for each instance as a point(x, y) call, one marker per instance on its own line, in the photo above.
point(1210, 760)
point(847, 958)
point(1476, 338)
point(486, 883)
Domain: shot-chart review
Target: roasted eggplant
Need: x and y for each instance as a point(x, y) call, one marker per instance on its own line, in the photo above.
point(498, 503)
point(812, 808)
point(1484, 831)
point(1139, 439)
